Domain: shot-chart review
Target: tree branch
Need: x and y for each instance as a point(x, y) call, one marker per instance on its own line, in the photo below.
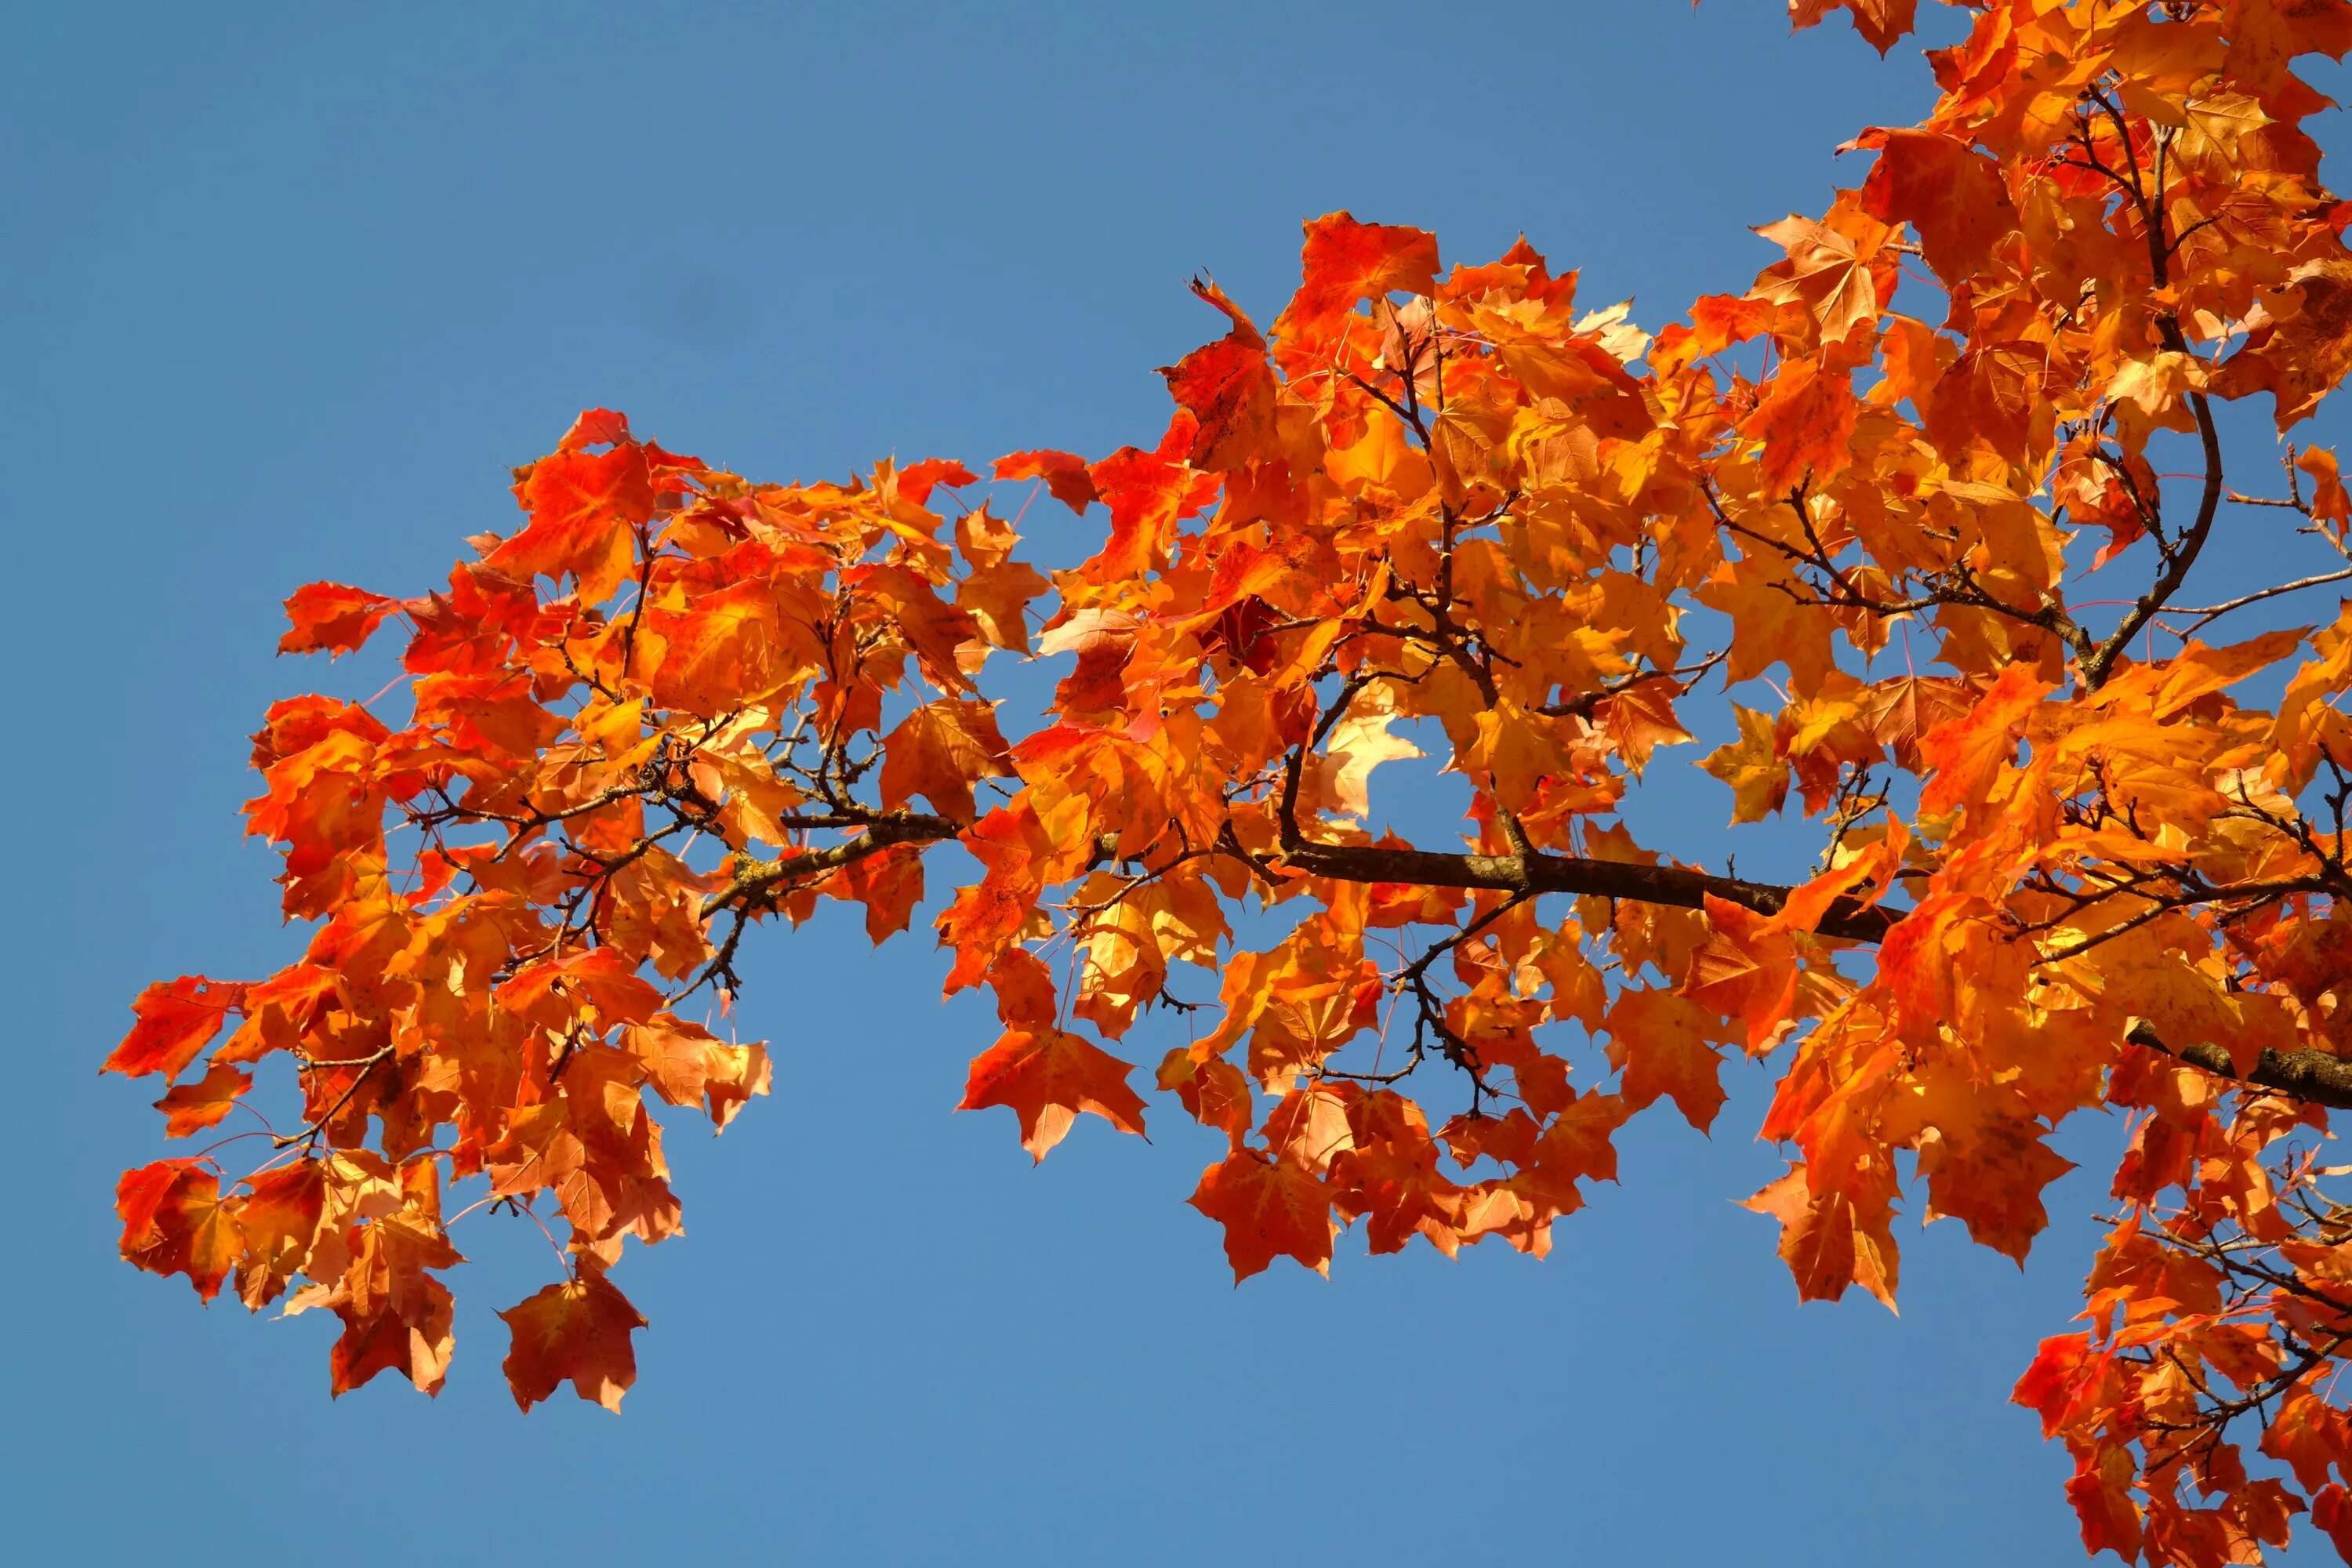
point(1679, 887)
point(2309, 1075)
point(887, 829)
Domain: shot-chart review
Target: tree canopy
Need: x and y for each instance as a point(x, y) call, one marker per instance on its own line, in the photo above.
point(1917, 519)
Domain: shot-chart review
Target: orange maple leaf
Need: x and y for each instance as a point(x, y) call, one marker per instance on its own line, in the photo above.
point(176, 1020)
point(1270, 1208)
point(576, 1331)
point(582, 506)
point(1047, 1076)
point(331, 616)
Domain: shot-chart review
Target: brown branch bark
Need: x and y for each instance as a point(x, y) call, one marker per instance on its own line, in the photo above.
point(1680, 886)
point(2309, 1075)
point(885, 830)
point(2315, 1076)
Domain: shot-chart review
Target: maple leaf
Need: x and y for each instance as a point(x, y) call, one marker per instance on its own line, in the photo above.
point(1882, 23)
point(1065, 476)
point(917, 481)
point(889, 886)
point(2157, 384)
point(576, 1331)
point(2053, 1385)
point(1639, 718)
point(736, 1073)
point(1826, 273)
point(935, 629)
point(1270, 1209)
point(552, 992)
point(1578, 1143)
point(1965, 751)
point(331, 616)
point(176, 1020)
point(1804, 423)
point(1047, 1076)
point(1515, 750)
point(2196, 670)
point(1360, 742)
point(1990, 1178)
point(2308, 1434)
point(1469, 445)
point(986, 917)
point(1214, 1090)
point(191, 1106)
point(1953, 195)
point(1746, 970)
point(175, 1221)
point(582, 505)
point(278, 1228)
point(1773, 621)
point(2331, 1511)
point(997, 599)
point(1899, 711)
point(2265, 36)
point(685, 1064)
point(2330, 506)
point(1752, 765)
point(2301, 347)
point(396, 1317)
point(2111, 1520)
point(1659, 1041)
point(1390, 1172)
point(1826, 1242)
point(1229, 388)
point(938, 752)
point(1344, 261)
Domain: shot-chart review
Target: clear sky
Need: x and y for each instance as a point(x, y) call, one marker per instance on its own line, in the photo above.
point(286, 291)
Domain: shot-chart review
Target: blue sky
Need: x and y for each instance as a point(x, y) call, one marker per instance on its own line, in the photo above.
point(286, 292)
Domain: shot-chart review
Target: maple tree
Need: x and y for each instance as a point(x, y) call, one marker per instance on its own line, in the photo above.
point(2079, 866)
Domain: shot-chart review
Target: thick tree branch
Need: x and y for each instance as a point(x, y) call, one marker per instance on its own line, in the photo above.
point(2309, 1075)
point(887, 830)
point(2183, 556)
point(1679, 887)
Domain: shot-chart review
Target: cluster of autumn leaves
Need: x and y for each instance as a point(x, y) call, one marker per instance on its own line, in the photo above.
point(2076, 867)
